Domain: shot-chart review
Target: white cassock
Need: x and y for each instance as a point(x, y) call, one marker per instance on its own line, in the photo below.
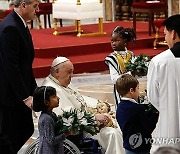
point(109, 138)
point(163, 90)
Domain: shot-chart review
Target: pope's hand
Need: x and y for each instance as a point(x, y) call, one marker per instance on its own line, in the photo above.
point(103, 119)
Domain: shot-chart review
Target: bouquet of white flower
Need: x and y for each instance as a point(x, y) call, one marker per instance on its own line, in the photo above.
point(76, 121)
point(139, 65)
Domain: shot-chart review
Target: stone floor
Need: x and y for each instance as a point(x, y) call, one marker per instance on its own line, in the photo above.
point(97, 85)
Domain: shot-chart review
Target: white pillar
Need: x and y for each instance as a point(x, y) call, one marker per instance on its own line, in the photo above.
point(169, 8)
point(113, 10)
point(104, 10)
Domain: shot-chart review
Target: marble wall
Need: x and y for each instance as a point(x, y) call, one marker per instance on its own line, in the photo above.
point(110, 8)
point(175, 6)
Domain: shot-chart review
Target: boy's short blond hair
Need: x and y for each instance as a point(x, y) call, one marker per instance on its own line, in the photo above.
point(125, 83)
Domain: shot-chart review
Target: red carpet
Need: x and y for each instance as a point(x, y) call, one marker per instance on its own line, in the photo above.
point(86, 53)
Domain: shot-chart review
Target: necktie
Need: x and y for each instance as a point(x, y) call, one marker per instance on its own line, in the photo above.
point(29, 40)
point(28, 32)
point(29, 37)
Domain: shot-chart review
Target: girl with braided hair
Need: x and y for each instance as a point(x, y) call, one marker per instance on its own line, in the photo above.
point(117, 60)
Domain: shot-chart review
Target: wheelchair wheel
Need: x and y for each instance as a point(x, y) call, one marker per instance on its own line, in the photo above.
point(32, 148)
point(69, 147)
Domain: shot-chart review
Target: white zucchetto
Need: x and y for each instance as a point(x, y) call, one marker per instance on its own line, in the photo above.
point(58, 61)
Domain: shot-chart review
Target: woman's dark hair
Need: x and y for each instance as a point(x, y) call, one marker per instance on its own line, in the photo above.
point(40, 95)
point(173, 23)
point(126, 33)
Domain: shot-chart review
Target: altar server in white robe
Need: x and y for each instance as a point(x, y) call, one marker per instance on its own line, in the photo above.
point(163, 86)
point(60, 77)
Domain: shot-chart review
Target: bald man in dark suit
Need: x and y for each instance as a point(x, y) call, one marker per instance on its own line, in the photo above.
point(17, 81)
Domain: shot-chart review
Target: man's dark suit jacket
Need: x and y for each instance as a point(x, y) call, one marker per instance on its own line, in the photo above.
point(17, 81)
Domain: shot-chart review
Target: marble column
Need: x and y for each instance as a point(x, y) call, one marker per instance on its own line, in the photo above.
point(109, 10)
point(173, 7)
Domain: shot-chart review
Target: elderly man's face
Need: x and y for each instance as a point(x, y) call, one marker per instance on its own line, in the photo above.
point(65, 73)
point(29, 9)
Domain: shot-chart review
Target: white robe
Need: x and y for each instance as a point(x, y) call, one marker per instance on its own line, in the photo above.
point(163, 90)
point(109, 138)
point(67, 98)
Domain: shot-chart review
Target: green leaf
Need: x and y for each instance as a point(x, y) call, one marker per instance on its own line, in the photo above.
point(76, 125)
point(139, 65)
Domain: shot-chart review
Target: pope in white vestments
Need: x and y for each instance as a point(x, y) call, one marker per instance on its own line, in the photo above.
point(163, 87)
point(109, 138)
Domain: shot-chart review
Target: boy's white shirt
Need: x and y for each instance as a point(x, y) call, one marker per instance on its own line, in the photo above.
point(129, 99)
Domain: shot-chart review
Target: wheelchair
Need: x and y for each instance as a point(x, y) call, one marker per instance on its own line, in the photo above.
point(69, 147)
